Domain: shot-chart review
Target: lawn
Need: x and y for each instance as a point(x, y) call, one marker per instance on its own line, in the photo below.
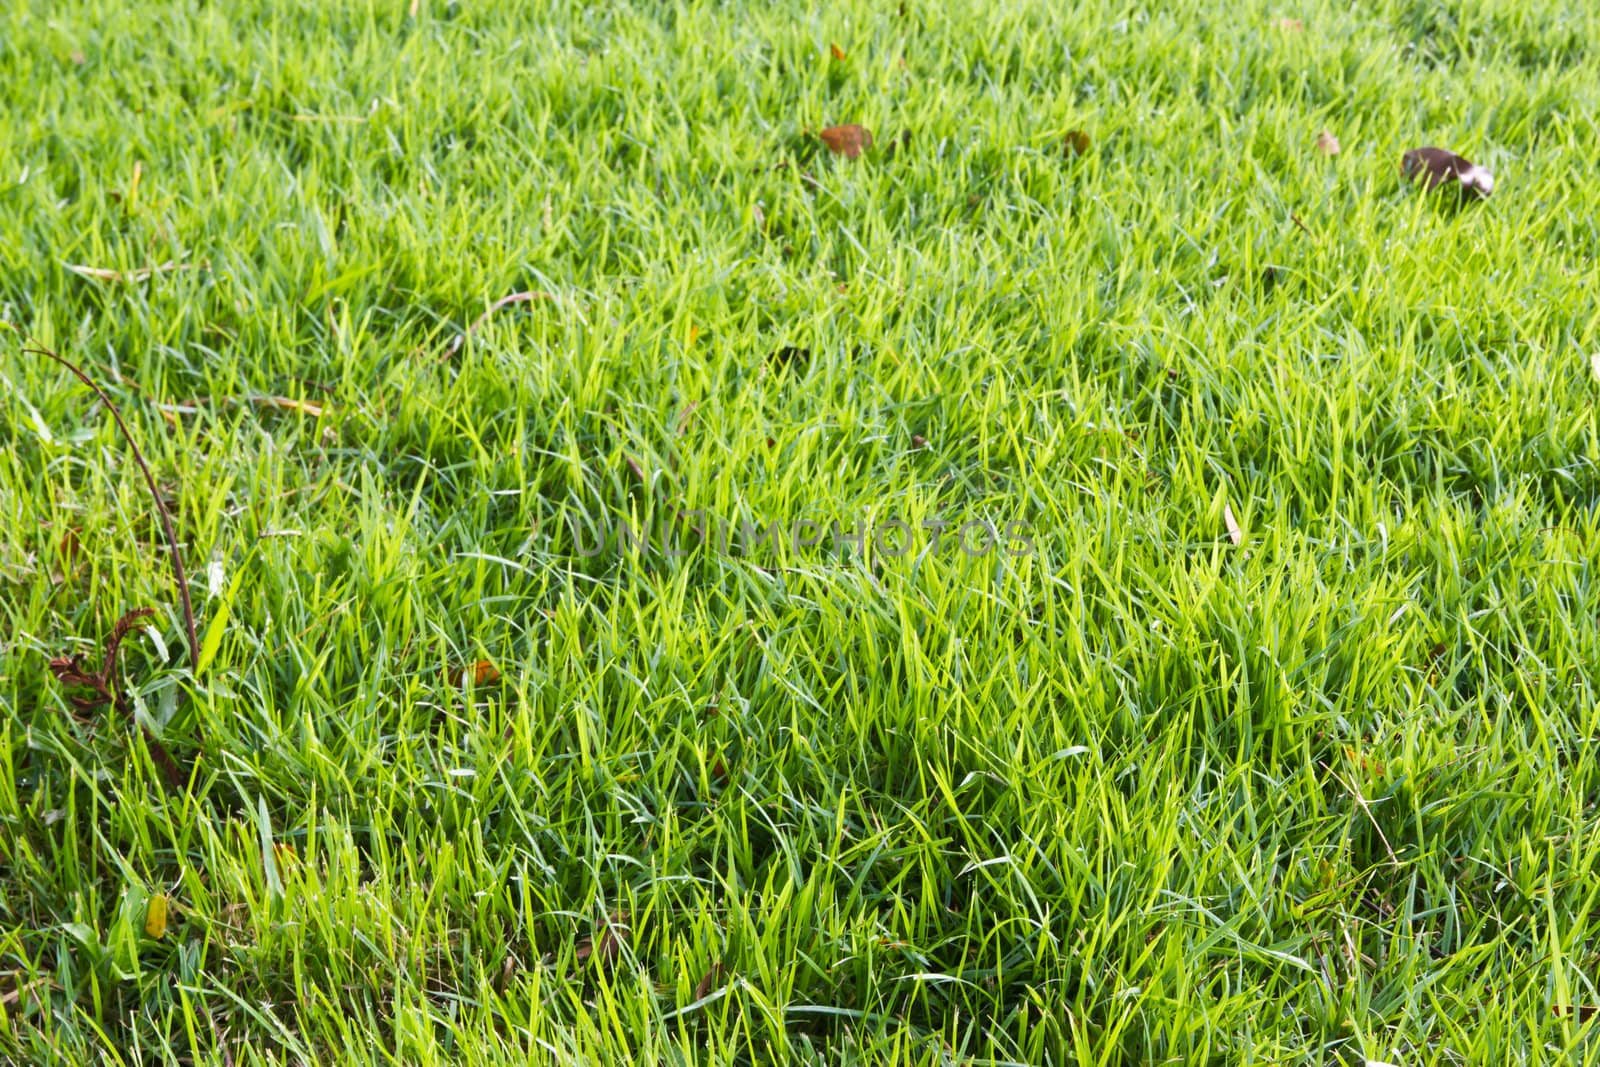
point(1092, 577)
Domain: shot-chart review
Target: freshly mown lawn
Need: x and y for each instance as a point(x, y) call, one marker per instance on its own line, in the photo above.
point(1262, 728)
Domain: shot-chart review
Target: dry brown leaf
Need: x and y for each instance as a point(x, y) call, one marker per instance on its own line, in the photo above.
point(1328, 144)
point(1290, 25)
point(481, 673)
point(613, 935)
point(918, 441)
point(1436, 168)
point(1076, 143)
point(1235, 534)
point(703, 987)
point(78, 58)
point(847, 140)
point(1581, 1012)
point(836, 51)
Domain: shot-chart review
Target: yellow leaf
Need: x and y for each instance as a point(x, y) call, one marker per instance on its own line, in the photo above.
point(155, 916)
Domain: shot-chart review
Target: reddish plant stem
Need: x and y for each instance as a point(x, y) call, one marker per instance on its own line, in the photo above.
point(155, 495)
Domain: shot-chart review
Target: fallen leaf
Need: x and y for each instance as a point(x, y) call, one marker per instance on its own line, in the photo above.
point(71, 548)
point(78, 58)
point(1235, 534)
point(1436, 168)
point(1290, 25)
point(918, 441)
point(1581, 1012)
point(1327, 144)
point(847, 140)
point(155, 916)
point(703, 987)
point(837, 52)
point(613, 935)
point(1076, 143)
point(481, 673)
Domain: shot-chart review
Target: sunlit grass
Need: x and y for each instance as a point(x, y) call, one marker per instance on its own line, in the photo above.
point(1138, 794)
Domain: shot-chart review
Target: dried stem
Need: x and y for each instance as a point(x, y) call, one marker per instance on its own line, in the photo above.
point(155, 495)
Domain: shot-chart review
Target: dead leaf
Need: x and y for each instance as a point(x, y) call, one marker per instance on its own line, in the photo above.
point(105, 274)
point(836, 51)
point(78, 58)
point(1436, 168)
point(155, 916)
point(1290, 25)
point(847, 141)
point(481, 673)
point(613, 935)
point(1076, 143)
point(508, 969)
point(1328, 144)
point(1235, 534)
point(1581, 1012)
point(71, 548)
point(703, 987)
point(918, 441)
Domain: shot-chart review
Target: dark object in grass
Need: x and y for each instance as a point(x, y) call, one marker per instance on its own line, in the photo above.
point(847, 140)
point(1435, 168)
point(790, 355)
point(69, 669)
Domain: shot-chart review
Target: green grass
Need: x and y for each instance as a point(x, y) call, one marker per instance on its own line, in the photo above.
point(1138, 796)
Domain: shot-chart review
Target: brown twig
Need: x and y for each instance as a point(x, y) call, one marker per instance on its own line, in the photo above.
point(514, 298)
point(155, 495)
